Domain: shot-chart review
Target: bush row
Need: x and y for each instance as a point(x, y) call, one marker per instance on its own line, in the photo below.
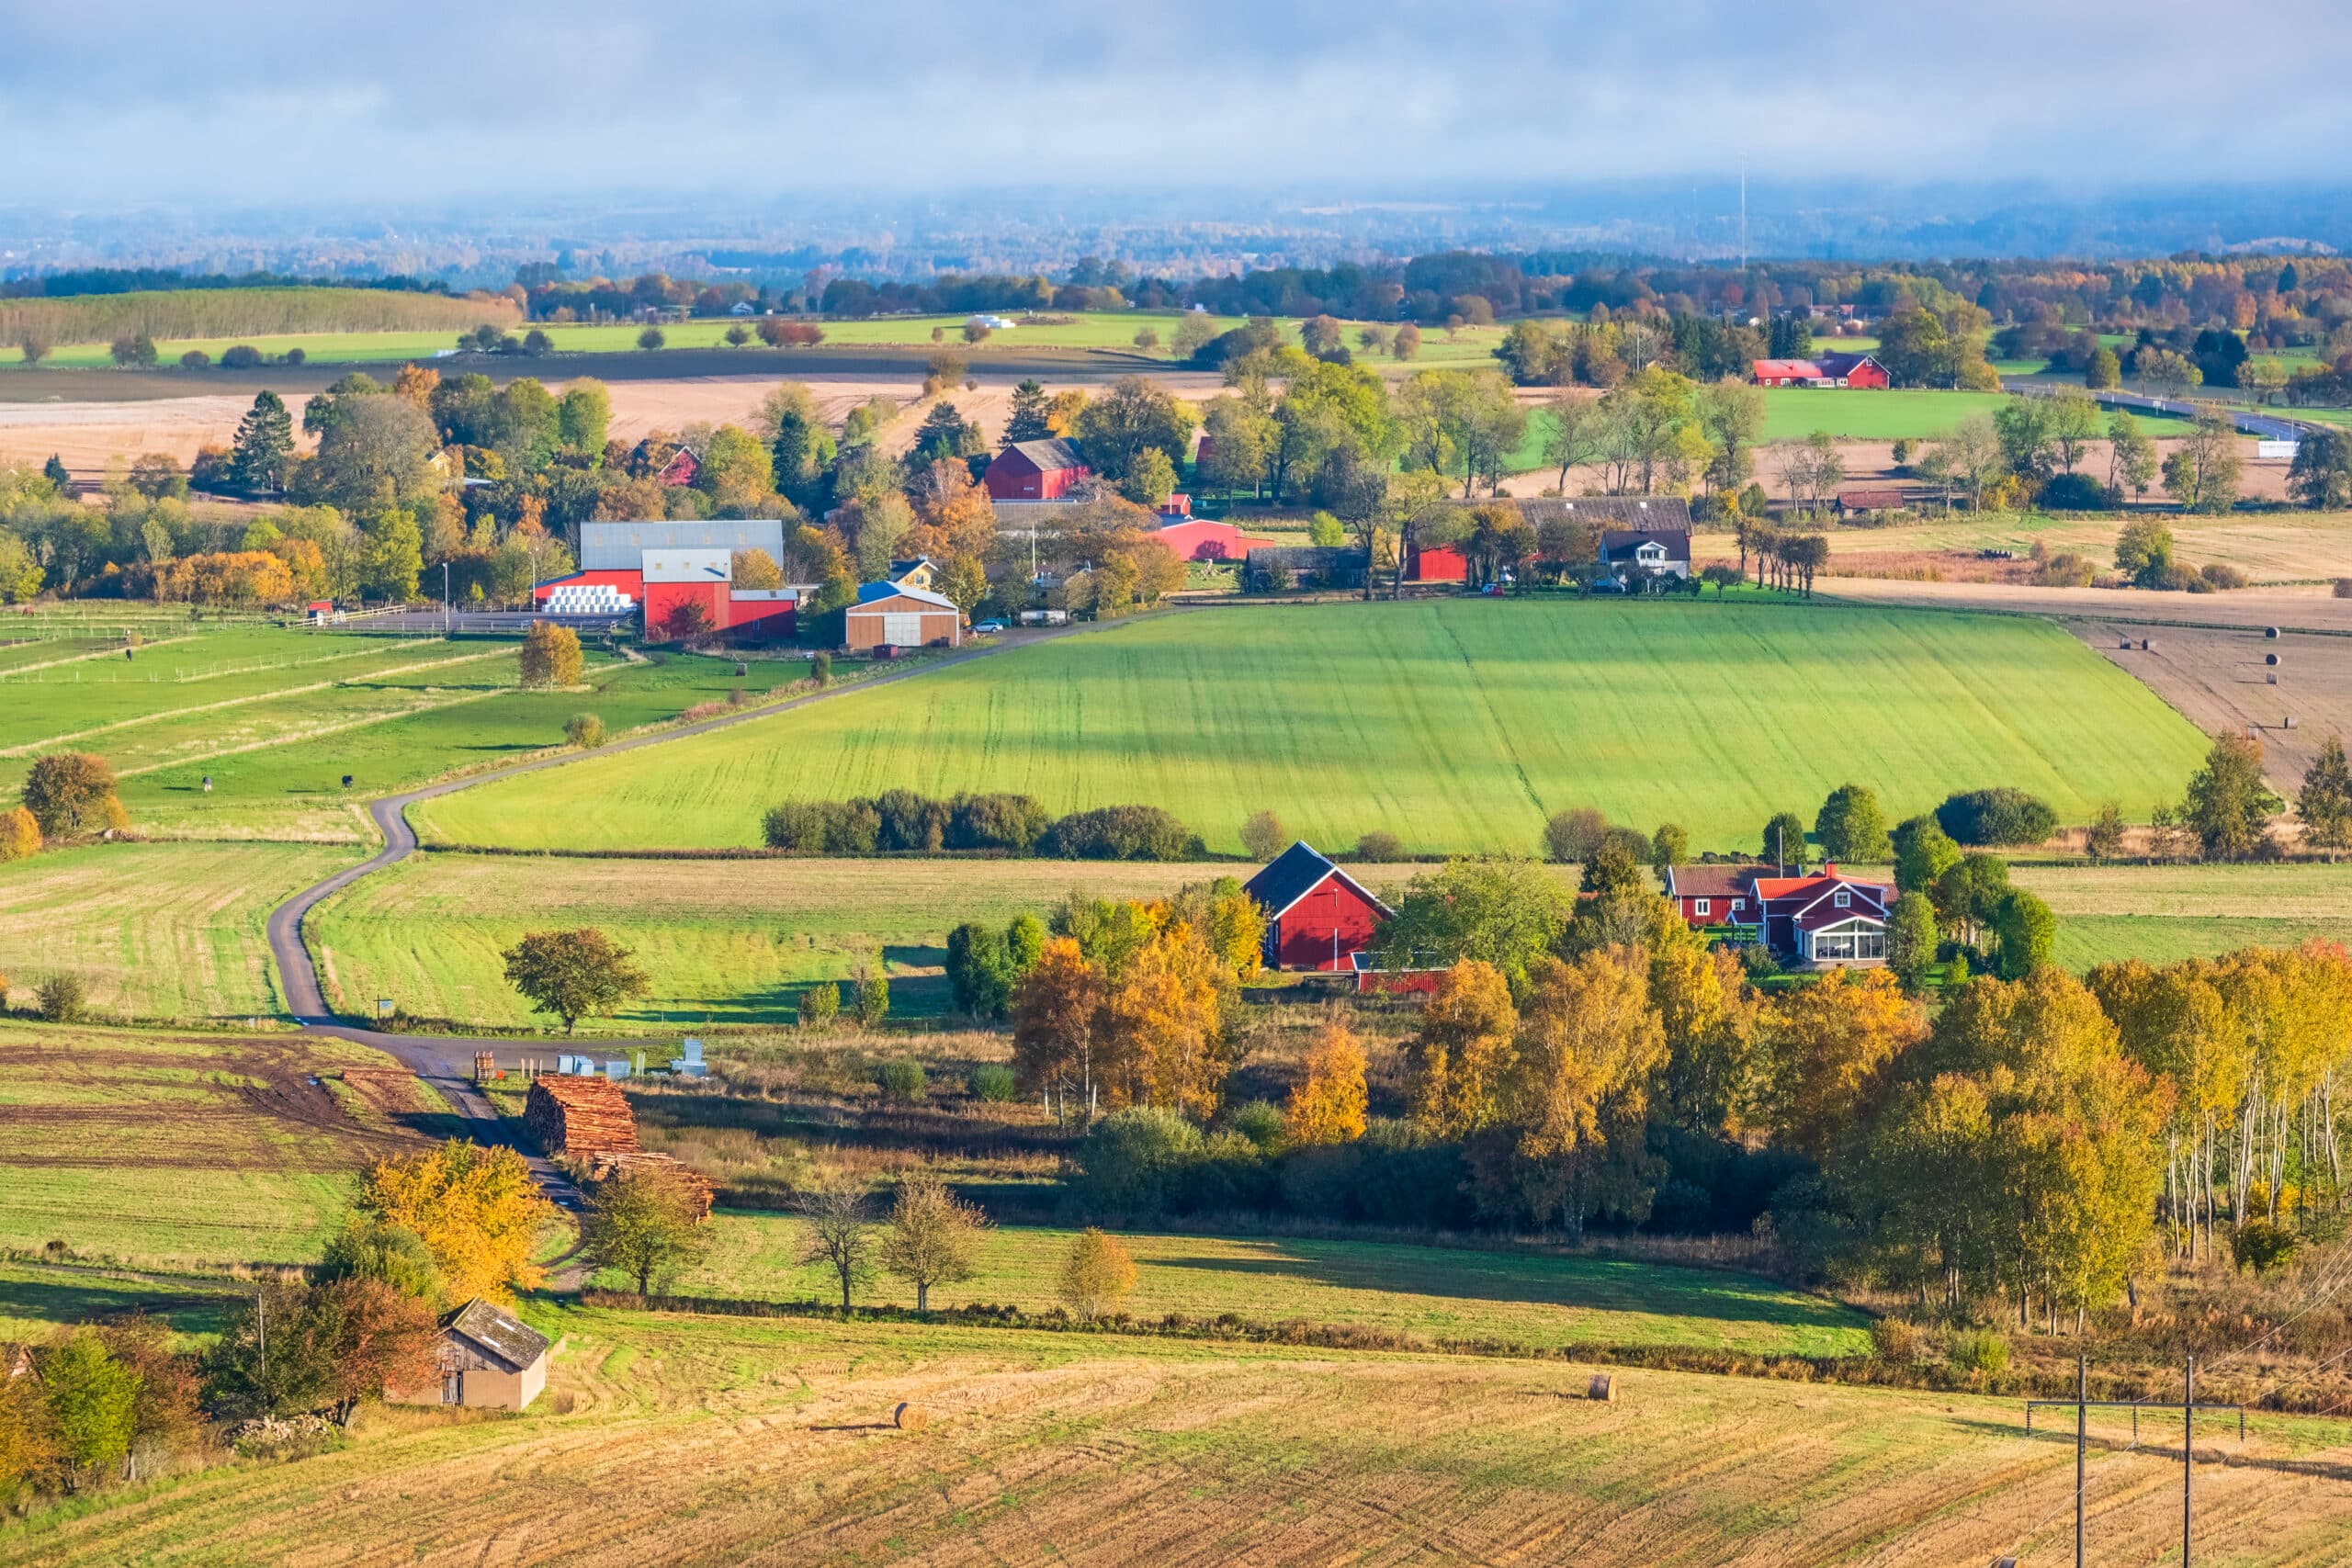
point(899, 820)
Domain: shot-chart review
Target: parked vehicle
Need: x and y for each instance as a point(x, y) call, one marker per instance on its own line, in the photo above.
point(988, 628)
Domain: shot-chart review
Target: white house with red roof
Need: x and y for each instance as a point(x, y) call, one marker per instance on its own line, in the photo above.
point(1821, 918)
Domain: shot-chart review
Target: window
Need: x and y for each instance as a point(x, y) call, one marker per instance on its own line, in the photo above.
point(1737, 905)
point(1844, 899)
point(1701, 905)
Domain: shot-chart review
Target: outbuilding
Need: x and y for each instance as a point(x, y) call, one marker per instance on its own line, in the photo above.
point(1034, 470)
point(488, 1359)
point(1318, 917)
point(902, 617)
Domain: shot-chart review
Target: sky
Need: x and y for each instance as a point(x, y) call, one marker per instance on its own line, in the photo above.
point(112, 103)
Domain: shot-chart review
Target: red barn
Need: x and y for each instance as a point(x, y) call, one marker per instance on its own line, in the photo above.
point(1034, 470)
point(1318, 917)
point(1436, 563)
point(1197, 538)
point(1854, 370)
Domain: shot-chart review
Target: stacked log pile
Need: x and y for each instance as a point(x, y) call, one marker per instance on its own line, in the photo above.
point(580, 1117)
point(698, 1187)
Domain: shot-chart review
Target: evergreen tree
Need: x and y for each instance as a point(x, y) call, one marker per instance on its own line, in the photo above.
point(2326, 801)
point(264, 441)
point(1028, 421)
point(55, 471)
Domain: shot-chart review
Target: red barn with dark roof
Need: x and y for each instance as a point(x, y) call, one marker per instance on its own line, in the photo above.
point(1318, 917)
point(1034, 470)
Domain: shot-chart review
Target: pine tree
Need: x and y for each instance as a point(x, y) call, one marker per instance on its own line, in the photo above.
point(55, 471)
point(264, 441)
point(1028, 421)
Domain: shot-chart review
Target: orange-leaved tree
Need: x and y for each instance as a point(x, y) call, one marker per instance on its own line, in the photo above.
point(477, 1209)
point(1455, 1063)
point(1327, 1104)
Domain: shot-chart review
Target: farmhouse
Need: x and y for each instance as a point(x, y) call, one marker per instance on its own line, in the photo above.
point(1820, 919)
point(919, 573)
point(1648, 552)
point(1318, 917)
point(1034, 470)
point(1822, 370)
point(898, 616)
point(488, 1359)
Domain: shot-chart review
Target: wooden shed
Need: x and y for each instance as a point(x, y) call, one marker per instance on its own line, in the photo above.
point(579, 1116)
point(903, 617)
point(488, 1359)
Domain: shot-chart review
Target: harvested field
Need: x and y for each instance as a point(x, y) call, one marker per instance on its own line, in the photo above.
point(159, 1150)
point(1433, 1295)
point(2271, 547)
point(159, 933)
point(1458, 725)
point(2219, 681)
point(2303, 608)
point(711, 1441)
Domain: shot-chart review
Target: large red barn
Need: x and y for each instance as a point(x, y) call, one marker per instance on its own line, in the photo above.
point(1034, 470)
point(1318, 917)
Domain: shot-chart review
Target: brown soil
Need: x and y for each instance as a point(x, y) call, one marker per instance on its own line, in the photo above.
point(2219, 681)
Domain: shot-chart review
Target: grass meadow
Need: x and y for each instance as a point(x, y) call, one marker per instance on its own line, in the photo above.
point(669, 1438)
point(276, 716)
point(157, 1150)
point(1457, 725)
point(1434, 1294)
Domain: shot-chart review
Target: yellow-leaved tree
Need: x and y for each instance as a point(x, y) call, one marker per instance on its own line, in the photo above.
point(1456, 1061)
point(477, 1209)
point(1327, 1104)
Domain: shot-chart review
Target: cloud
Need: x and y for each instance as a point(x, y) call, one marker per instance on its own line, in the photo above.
point(115, 102)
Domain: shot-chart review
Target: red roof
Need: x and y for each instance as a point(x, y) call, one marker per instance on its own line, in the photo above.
point(1778, 369)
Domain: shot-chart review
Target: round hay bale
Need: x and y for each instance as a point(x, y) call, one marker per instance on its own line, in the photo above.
point(2127, 645)
point(1604, 1388)
point(2145, 645)
point(910, 1418)
point(2270, 658)
point(2271, 631)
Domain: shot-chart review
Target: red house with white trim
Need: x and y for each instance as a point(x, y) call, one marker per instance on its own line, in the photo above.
point(1318, 917)
point(1034, 470)
point(1822, 370)
point(1819, 918)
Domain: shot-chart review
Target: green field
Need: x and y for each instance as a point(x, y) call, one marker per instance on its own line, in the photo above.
point(276, 716)
point(165, 1151)
point(1540, 1300)
point(1457, 725)
point(2168, 912)
point(1107, 330)
point(1792, 413)
point(159, 933)
point(680, 1439)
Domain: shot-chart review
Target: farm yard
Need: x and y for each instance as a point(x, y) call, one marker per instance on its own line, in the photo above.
point(677, 1439)
point(1458, 726)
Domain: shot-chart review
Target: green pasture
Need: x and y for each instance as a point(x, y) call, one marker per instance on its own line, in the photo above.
point(1537, 1299)
point(157, 931)
point(276, 716)
point(1457, 725)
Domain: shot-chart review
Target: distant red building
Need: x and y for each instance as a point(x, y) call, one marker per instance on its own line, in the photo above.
point(1821, 370)
point(1318, 917)
point(1822, 917)
point(1436, 563)
point(1198, 539)
point(1034, 470)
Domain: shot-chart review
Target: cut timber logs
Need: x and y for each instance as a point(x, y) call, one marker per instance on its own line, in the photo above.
point(580, 1116)
point(910, 1418)
point(1604, 1388)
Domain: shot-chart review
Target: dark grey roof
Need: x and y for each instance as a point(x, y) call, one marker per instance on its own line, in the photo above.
point(1050, 455)
point(1295, 872)
point(502, 1333)
point(1842, 364)
point(1614, 542)
point(621, 547)
point(1641, 512)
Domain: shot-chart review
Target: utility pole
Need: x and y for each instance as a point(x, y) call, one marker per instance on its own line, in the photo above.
point(2188, 1445)
point(2082, 1415)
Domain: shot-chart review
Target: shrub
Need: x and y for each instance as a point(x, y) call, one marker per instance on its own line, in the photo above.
point(1998, 817)
point(872, 995)
point(823, 827)
point(820, 667)
point(196, 359)
point(62, 999)
point(1261, 1121)
point(820, 1004)
point(1097, 1273)
point(1982, 1350)
point(651, 338)
point(1379, 847)
point(19, 834)
point(243, 357)
point(1261, 836)
point(1571, 836)
point(585, 730)
point(2073, 492)
point(2221, 575)
point(1013, 822)
point(905, 820)
point(995, 1084)
point(2261, 1246)
point(295, 356)
point(1120, 833)
point(1132, 1160)
point(2344, 588)
point(1895, 1339)
point(903, 1082)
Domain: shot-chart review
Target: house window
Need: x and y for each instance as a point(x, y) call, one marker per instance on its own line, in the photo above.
point(1844, 899)
point(1737, 905)
point(1701, 905)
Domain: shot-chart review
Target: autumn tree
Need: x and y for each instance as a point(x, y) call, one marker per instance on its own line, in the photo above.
point(476, 1209)
point(1327, 1102)
point(934, 1238)
point(1162, 1026)
point(1455, 1060)
point(643, 1224)
point(838, 1233)
point(19, 834)
point(1575, 1090)
point(1096, 1274)
point(1054, 1010)
point(550, 655)
point(754, 568)
point(574, 975)
point(1822, 1047)
point(71, 795)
